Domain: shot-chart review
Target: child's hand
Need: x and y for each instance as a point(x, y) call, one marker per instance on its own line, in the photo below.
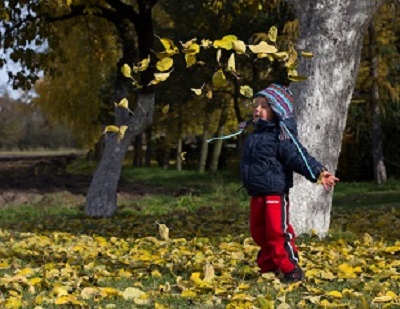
point(327, 179)
point(242, 125)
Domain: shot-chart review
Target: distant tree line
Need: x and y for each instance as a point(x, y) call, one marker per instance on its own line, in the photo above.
point(24, 127)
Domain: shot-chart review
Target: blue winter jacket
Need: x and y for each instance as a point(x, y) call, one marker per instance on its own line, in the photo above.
point(268, 163)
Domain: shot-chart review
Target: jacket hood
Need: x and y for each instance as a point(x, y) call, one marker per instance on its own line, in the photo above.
point(291, 124)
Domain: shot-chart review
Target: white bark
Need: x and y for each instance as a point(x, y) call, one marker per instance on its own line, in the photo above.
point(333, 30)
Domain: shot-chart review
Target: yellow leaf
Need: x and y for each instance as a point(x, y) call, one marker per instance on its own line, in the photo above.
point(209, 94)
point(219, 54)
point(156, 273)
point(190, 60)
point(164, 64)
point(132, 293)
point(197, 91)
point(126, 70)
point(206, 43)
point(13, 303)
point(142, 65)
point(167, 43)
point(335, 294)
point(162, 76)
point(4, 265)
point(219, 79)
point(263, 47)
point(165, 109)
point(183, 153)
point(189, 294)
point(265, 303)
point(123, 103)
point(307, 54)
point(225, 42)
point(208, 273)
point(60, 291)
point(89, 292)
point(382, 299)
point(239, 47)
point(193, 49)
point(163, 231)
point(188, 43)
point(297, 78)
point(246, 91)
point(272, 34)
point(281, 55)
point(231, 63)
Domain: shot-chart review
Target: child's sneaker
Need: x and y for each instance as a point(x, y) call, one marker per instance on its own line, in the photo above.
point(294, 276)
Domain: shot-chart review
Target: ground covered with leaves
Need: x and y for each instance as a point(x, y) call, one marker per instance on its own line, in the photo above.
point(193, 251)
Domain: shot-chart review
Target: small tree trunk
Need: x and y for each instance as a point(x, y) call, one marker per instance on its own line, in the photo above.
point(138, 151)
point(218, 143)
point(179, 144)
point(178, 154)
point(204, 144)
point(377, 150)
point(147, 161)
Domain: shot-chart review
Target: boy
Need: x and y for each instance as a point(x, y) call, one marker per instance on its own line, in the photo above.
point(271, 154)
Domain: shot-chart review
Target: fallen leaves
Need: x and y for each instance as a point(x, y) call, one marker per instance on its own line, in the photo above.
point(121, 262)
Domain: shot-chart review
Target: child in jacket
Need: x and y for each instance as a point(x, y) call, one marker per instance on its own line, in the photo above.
point(271, 154)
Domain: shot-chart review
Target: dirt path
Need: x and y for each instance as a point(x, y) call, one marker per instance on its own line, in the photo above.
point(28, 179)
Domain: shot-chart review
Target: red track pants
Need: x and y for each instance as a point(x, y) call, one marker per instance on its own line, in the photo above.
point(270, 229)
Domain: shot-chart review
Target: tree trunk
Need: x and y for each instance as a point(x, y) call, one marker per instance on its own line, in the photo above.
point(204, 145)
point(218, 143)
point(333, 30)
point(147, 161)
point(377, 149)
point(178, 158)
point(101, 199)
point(138, 151)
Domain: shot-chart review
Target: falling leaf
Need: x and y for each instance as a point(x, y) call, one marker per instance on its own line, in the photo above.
point(163, 231)
point(164, 64)
point(246, 91)
point(190, 60)
point(219, 79)
point(183, 155)
point(142, 65)
point(263, 47)
point(226, 42)
point(165, 109)
point(272, 34)
point(307, 54)
point(239, 47)
point(126, 70)
point(123, 103)
point(231, 63)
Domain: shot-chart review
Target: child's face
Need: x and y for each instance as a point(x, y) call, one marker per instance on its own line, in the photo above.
point(262, 110)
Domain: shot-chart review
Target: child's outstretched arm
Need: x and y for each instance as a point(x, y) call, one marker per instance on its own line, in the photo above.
point(327, 179)
point(304, 164)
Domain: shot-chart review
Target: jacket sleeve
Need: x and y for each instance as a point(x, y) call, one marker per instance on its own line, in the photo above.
point(291, 157)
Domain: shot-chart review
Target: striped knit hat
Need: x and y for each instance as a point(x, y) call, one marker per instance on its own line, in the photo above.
point(280, 99)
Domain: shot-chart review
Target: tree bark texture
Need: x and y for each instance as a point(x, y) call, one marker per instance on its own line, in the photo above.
point(333, 30)
point(218, 143)
point(101, 199)
point(377, 149)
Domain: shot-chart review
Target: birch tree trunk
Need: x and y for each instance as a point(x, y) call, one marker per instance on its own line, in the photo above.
point(377, 150)
point(333, 30)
